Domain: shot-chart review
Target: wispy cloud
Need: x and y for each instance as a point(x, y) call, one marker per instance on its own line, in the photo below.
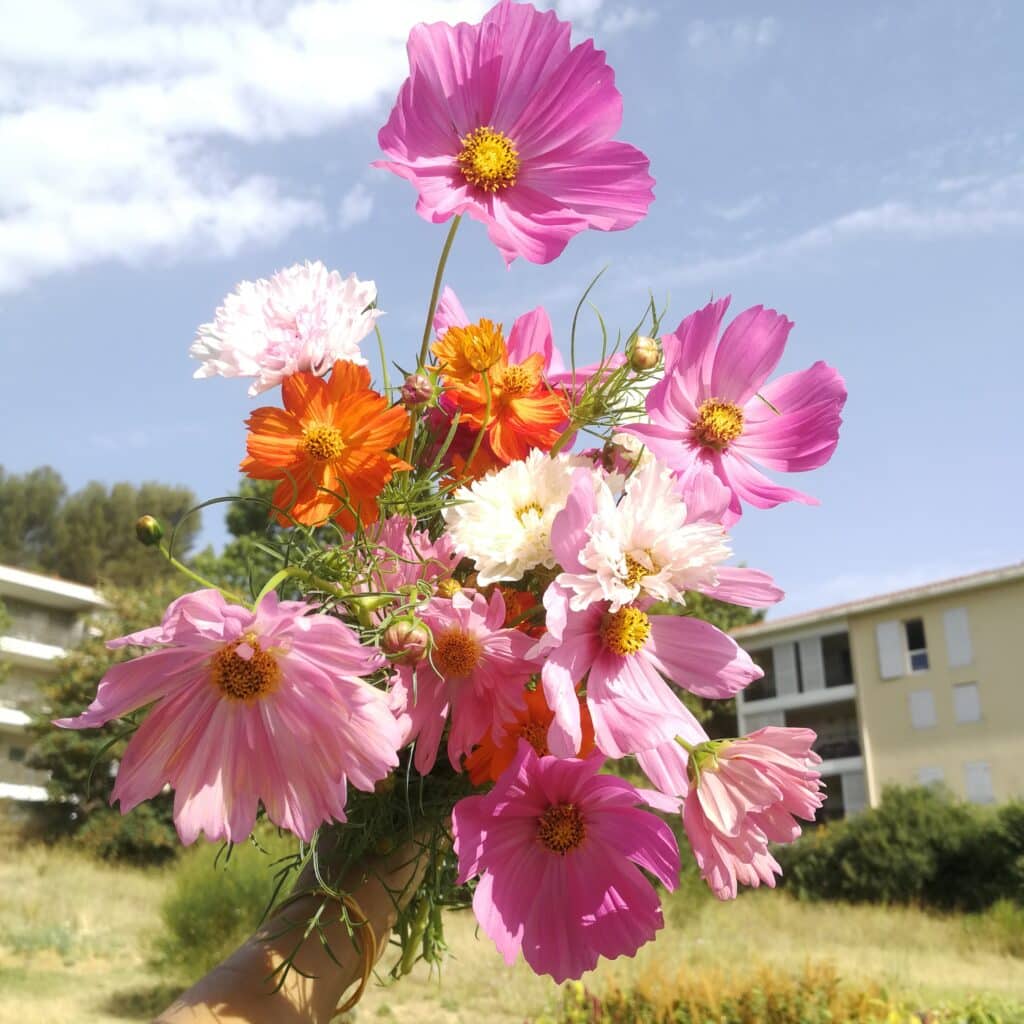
point(728, 41)
point(628, 17)
point(355, 207)
point(997, 206)
point(114, 120)
point(739, 210)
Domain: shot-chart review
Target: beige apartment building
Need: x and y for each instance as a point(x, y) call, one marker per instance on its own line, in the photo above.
point(43, 618)
point(917, 687)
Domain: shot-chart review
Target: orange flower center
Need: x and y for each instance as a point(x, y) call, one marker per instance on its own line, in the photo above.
point(718, 423)
point(625, 631)
point(488, 159)
point(244, 678)
point(448, 588)
point(518, 380)
point(476, 346)
point(323, 443)
point(537, 736)
point(456, 652)
point(561, 828)
point(635, 571)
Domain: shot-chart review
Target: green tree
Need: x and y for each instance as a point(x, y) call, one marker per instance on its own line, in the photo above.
point(82, 763)
point(89, 536)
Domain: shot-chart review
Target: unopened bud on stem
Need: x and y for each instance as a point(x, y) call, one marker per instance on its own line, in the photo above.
point(148, 530)
point(645, 354)
point(405, 640)
point(416, 390)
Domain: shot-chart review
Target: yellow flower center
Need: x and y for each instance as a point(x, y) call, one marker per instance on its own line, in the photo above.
point(518, 380)
point(241, 678)
point(635, 571)
point(531, 510)
point(478, 346)
point(488, 160)
point(718, 423)
point(323, 443)
point(448, 588)
point(456, 652)
point(537, 736)
point(625, 631)
point(561, 828)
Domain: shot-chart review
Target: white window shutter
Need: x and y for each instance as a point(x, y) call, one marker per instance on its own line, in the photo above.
point(855, 794)
point(978, 779)
point(922, 709)
point(812, 665)
point(785, 669)
point(931, 775)
point(958, 637)
point(751, 723)
point(966, 702)
point(891, 657)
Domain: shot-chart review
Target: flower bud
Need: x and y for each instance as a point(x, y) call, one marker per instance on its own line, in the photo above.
point(405, 640)
point(416, 390)
point(148, 530)
point(645, 354)
point(448, 587)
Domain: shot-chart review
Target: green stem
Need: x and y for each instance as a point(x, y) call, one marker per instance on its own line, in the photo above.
point(192, 575)
point(563, 439)
point(483, 426)
point(339, 594)
point(385, 378)
point(438, 278)
point(688, 747)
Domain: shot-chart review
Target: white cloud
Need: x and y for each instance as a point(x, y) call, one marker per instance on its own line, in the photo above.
point(729, 41)
point(627, 17)
point(995, 207)
point(739, 210)
point(355, 207)
point(114, 119)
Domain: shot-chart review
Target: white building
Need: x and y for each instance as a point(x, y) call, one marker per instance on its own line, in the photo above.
point(44, 617)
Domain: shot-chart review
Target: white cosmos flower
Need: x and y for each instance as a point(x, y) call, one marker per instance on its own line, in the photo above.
point(643, 544)
point(503, 521)
point(303, 319)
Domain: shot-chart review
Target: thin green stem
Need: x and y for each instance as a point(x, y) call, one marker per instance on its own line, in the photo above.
point(438, 278)
point(688, 747)
point(385, 378)
point(201, 580)
point(483, 426)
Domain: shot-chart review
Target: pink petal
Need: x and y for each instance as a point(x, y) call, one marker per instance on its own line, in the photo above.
point(751, 588)
point(699, 657)
point(750, 349)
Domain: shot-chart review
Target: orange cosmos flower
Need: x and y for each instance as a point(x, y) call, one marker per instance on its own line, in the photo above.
point(492, 757)
point(331, 436)
point(523, 412)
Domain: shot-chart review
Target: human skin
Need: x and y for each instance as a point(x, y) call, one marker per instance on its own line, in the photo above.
point(240, 990)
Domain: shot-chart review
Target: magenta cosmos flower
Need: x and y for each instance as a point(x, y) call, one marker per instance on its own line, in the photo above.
point(509, 123)
point(739, 796)
point(713, 406)
point(625, 657)
point(558, 849)
point(248, 706)
point(476, 672)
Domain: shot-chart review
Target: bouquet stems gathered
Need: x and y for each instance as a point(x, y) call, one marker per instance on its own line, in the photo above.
point(478, 620)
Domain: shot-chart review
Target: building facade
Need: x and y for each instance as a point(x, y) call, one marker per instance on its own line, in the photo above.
point(918, 687)
point(42, 618)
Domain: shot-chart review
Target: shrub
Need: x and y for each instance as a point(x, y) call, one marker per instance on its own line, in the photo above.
point(140, 838)
point(918, 846)
point(1000, 927)
point(214, 904)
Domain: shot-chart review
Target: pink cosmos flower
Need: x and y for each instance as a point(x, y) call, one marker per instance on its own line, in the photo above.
point(559, 849)
point(648, 542)
point(249, 705)
point(303, 319)
point(713, 406)
point(407, 557)
point(509, 123)
point(625, 658)
point(739, 796)
point(477, 672)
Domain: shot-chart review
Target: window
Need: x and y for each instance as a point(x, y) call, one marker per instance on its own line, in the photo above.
point(966, 702)
point(835, 652)
point(922, 709)
point(891, 662)
point(978, 780)
point(16, 754)
point(763, 688)
point(917, 649)
point(958, 637)
point(931, 775)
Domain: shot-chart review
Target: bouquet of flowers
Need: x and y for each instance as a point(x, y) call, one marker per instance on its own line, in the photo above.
point(477, 636)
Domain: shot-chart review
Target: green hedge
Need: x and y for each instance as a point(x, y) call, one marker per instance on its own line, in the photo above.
point(919, 846)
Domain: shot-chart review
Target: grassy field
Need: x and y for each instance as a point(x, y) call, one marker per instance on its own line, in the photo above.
point(74, 938)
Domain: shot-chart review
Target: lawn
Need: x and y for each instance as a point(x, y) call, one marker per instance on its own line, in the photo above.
point(74, 937)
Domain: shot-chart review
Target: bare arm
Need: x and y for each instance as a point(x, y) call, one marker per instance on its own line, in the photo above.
point(240, 991)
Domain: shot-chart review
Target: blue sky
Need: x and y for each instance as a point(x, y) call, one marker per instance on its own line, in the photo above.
point(858, 167)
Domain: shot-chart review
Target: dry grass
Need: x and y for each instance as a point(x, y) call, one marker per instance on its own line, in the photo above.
point(74, 938)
